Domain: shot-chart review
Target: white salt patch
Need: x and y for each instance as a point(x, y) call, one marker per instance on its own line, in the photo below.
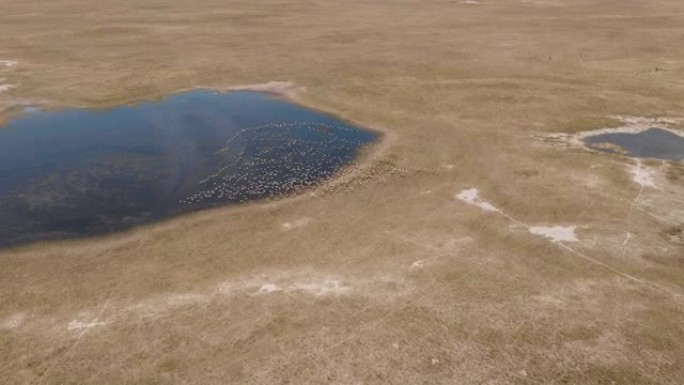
point(5, 87)
point(643, 176)
point(8, 63)
point(324, 287)
point(13, 321)
point(269, 288)
point(556, 233)
point(225, 288)
point(471, 197)
point(296, 224)
point(313, 285)
point(79, 325)
point(419, 264)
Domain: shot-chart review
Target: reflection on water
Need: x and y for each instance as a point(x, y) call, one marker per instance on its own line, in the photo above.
point(80, 172)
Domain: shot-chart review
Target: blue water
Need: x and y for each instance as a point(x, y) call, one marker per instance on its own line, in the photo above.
point(652, 143)
point(82, 172)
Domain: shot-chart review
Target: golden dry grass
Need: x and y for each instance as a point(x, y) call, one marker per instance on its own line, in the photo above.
point(463, 92)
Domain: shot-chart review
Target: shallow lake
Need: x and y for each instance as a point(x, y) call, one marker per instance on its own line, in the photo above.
point(84, 172)
point(652, 143)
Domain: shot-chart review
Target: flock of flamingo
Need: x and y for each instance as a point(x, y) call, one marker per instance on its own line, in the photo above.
point(276, 159)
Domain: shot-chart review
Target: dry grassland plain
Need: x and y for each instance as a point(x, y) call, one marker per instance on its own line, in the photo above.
point(468, 246)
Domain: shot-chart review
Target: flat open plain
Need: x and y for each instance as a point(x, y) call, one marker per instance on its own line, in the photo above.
point(471, 245)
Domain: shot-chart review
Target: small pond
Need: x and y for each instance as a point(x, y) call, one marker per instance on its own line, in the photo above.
point(84, 172)
point(652, 143)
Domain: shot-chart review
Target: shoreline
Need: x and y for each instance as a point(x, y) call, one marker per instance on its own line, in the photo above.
point(365, 158)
